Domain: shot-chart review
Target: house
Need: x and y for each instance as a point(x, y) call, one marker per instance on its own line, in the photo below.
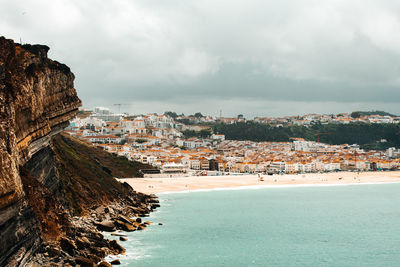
point(103, 139)
point(204, 164)
point(218, 137)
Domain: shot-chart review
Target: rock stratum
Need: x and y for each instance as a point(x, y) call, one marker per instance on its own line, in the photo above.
point(37, 98)
point(48, 180)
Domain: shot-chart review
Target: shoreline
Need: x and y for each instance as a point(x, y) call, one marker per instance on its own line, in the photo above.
point(256, 187)
point(208, 183)
point(89, 243)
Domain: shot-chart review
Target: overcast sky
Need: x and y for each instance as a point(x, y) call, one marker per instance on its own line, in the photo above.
point(255, 57)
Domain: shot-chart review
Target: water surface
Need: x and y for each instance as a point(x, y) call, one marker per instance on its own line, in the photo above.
point(354, 225)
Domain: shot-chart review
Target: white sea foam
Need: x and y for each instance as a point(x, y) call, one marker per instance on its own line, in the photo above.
point(135, 250)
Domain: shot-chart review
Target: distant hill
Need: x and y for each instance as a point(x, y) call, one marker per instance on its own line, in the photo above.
point(368, 135)
point(357, 114)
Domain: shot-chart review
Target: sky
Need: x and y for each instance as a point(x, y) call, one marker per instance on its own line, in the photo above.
point(251, 57)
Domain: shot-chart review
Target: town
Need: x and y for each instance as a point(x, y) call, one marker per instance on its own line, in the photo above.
point(158, 140)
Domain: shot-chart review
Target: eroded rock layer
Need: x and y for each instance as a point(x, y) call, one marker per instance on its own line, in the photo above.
point(37, 98)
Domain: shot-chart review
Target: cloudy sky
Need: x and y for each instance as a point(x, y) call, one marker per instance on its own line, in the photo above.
point(255, 57)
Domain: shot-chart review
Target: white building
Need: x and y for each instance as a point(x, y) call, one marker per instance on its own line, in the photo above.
point(393, 153)
point(219, 137)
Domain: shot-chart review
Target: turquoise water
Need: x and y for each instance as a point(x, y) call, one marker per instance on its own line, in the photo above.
point(357, 225)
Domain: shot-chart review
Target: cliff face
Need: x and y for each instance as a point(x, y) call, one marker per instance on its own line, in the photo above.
point(45, 177)
point(37, 98)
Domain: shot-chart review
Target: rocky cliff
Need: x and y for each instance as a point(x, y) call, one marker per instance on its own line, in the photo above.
point(70, 187)
point(56, 192)
point(37, 98)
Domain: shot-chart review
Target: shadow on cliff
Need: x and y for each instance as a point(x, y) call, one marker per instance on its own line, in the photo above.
point(86, 173)
point(74, 176)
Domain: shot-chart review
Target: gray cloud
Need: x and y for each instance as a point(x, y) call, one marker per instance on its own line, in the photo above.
point(259, 57)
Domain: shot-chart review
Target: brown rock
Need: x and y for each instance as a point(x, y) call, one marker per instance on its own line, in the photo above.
point(136, 224)
point(139, 220)
point(84, 262)
point(119, 224)
point(104, 264)
point(116, 247)
point(82, 242)
point(148, 222)
point(107, 226)
point(128, 227)
point(153, 200)
point(68, 246)
point(100, 209)
point(123, 219)
point(142, 227)
point(99, 252)
point(93, 258)
point(138, 210)
point(53, 251)
point(116, 262)
point(123, 238)
point(84, 239)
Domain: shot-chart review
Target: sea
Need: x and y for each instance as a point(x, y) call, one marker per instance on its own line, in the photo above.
point(347, 225)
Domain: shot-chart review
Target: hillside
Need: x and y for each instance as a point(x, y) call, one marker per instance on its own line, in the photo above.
point(357, 114)
point(86, 172)
point(71, 178)
point(366, 135)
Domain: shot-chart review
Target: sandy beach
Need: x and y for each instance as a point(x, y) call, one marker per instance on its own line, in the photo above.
point(177, 184)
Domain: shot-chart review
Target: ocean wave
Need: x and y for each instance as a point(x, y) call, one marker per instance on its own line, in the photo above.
point(135, 251)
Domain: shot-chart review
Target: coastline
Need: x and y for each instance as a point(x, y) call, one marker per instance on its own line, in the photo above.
point(228, 182)
point(87, 241)
point(278, 221)
point(255, 187)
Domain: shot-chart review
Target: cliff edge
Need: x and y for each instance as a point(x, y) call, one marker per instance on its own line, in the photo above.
point(37, 98)
point(56, 192)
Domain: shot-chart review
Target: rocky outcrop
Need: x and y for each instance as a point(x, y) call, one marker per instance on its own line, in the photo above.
point(49, 180)
point(68, 179)
point(37, 98)
point(81, 238)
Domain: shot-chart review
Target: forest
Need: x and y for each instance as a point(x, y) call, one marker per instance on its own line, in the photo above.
point(368, 136)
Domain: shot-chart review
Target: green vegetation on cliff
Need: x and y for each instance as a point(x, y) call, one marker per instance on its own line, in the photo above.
point(366, 135)
point(86, 173)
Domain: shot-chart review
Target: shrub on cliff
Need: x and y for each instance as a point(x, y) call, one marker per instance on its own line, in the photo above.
point(86, 173)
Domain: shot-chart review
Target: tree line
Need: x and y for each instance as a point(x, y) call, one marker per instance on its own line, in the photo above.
point(369, 136)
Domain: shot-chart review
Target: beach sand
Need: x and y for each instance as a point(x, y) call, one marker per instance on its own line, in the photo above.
point(177, 184)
